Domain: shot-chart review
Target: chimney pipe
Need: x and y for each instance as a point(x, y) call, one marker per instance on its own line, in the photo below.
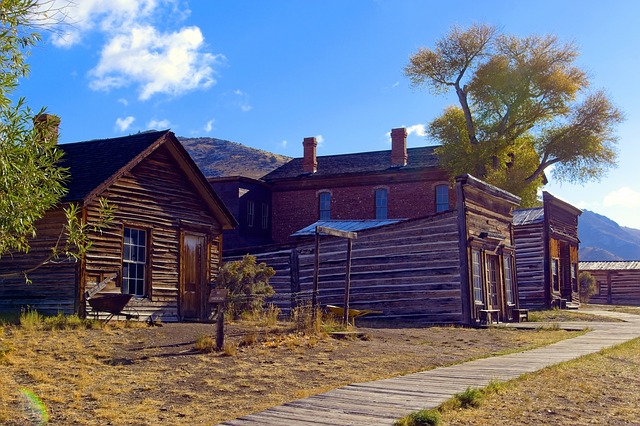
point(47, 126)
point(399, 147)
point(310, 163)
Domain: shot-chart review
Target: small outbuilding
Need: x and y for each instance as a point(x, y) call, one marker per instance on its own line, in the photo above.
point(547, 243)
point(617, 282)
point(163, 247)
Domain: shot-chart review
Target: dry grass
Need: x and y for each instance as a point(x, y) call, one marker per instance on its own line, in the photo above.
point(561, 315)
point(149, 376)
point(602, 388)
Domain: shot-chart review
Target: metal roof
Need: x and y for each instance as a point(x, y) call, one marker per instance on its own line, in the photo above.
point(345, 225)
point(609, 265)
point(528, 216)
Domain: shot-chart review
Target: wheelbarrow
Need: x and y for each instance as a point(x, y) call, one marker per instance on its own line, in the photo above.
point(352, 313)
point(113, 304)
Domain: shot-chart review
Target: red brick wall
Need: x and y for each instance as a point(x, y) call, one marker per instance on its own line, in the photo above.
point(294, 208)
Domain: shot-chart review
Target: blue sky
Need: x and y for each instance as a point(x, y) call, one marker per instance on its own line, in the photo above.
point(269, 73)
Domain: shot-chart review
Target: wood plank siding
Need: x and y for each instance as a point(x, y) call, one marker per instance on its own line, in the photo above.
point(407, 270)
point(617, 282)
point(414, 269)
point(53, 286)
point(547, 254)
point(164, 243)
point(154, 196)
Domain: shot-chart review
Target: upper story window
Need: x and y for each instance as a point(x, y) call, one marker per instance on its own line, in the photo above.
point(265, 216)
point(442, 198)
point(381, 203)
point(325, 205)
point(251, 213)
point(508, 280)
point(134, 261)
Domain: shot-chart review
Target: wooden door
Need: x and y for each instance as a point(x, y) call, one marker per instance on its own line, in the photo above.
point(493, 277)
point(193, 282)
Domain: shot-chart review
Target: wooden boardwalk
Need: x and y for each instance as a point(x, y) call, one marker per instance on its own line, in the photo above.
point(382, 402)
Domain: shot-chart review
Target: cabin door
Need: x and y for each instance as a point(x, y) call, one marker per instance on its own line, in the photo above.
point(492, 281)
point(193, 271)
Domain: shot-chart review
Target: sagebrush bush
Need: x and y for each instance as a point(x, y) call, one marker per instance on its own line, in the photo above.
point(587, 286)
point(248, 284)
point(420, 418)
point(471, 397)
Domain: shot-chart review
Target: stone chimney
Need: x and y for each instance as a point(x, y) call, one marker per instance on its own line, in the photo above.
point(310, 163)
point(47, 126)
point(399, 147)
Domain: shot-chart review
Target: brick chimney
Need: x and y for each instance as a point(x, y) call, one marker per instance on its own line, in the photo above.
point(47, 126)
point(310, 163)
point(398, 147)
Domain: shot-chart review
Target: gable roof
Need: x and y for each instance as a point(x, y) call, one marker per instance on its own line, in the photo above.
point(358, 163)
point(94, 165)
point(345, 225)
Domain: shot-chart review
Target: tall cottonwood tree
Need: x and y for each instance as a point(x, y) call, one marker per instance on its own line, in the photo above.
point(523, 106)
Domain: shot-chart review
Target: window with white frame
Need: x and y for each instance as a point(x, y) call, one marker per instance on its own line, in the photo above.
point(555, 274)
point(134, 261)
point(508, 280)
point(381, 203)
point(442, 198)
point(476, 270)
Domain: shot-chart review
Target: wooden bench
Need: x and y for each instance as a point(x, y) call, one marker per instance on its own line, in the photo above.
point(489, 316)
point(520, 315)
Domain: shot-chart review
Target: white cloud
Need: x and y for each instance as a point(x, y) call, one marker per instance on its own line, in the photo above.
point(160, 63)
point(320, 140)
point(396, 84)
point(623, 197)
point(123, 124)
point(158, 124)
point(123, 101)
point(283, 144)
point(136, 52)
point(242, 100)
point(209, 126)
point(417, 129)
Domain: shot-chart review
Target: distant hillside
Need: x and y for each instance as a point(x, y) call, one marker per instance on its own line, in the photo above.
point(603, 239)
point(218, 158)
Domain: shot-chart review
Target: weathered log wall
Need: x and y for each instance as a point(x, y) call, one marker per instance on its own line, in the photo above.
point(154, 196)
point(407, 270)
point(52, 287)
point(530, 265)
point(615, 286)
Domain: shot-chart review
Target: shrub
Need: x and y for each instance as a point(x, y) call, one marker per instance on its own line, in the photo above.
point(472, 397)
point(248, 284)
point(205, 344)
point(587, 286)
point(420, 418)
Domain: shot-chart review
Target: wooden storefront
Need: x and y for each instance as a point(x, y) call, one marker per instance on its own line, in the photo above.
point(547, 245)
point(163, 245)
point(415, 269)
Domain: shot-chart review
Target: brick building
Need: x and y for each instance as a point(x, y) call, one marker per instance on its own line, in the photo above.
point(399, 183)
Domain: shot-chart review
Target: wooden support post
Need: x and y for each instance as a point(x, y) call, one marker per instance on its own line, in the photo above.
point(316, 267)
point(220, 328)
point(347, 285)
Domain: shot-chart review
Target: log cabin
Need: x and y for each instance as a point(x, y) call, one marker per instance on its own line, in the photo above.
point(452, 267)
point(617, 282)
point(162, 248)
point(547, 245)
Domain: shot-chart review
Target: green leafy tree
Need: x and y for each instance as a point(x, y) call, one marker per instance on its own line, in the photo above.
point(587, 286)
point(523, 106)
point(31, 181)
point(247, 282)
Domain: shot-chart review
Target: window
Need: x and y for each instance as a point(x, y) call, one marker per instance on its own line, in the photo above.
point(325, 206)
point(555, 275)
point(265, 216)
point(442, 198)
point(508, 280)
point(491, 263)
point(250, 213)
point(134, 261)
point(381, 203)
point(478, 294)
point(574, 277)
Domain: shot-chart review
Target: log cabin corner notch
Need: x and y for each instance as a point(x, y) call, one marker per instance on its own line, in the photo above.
point(164, 243)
